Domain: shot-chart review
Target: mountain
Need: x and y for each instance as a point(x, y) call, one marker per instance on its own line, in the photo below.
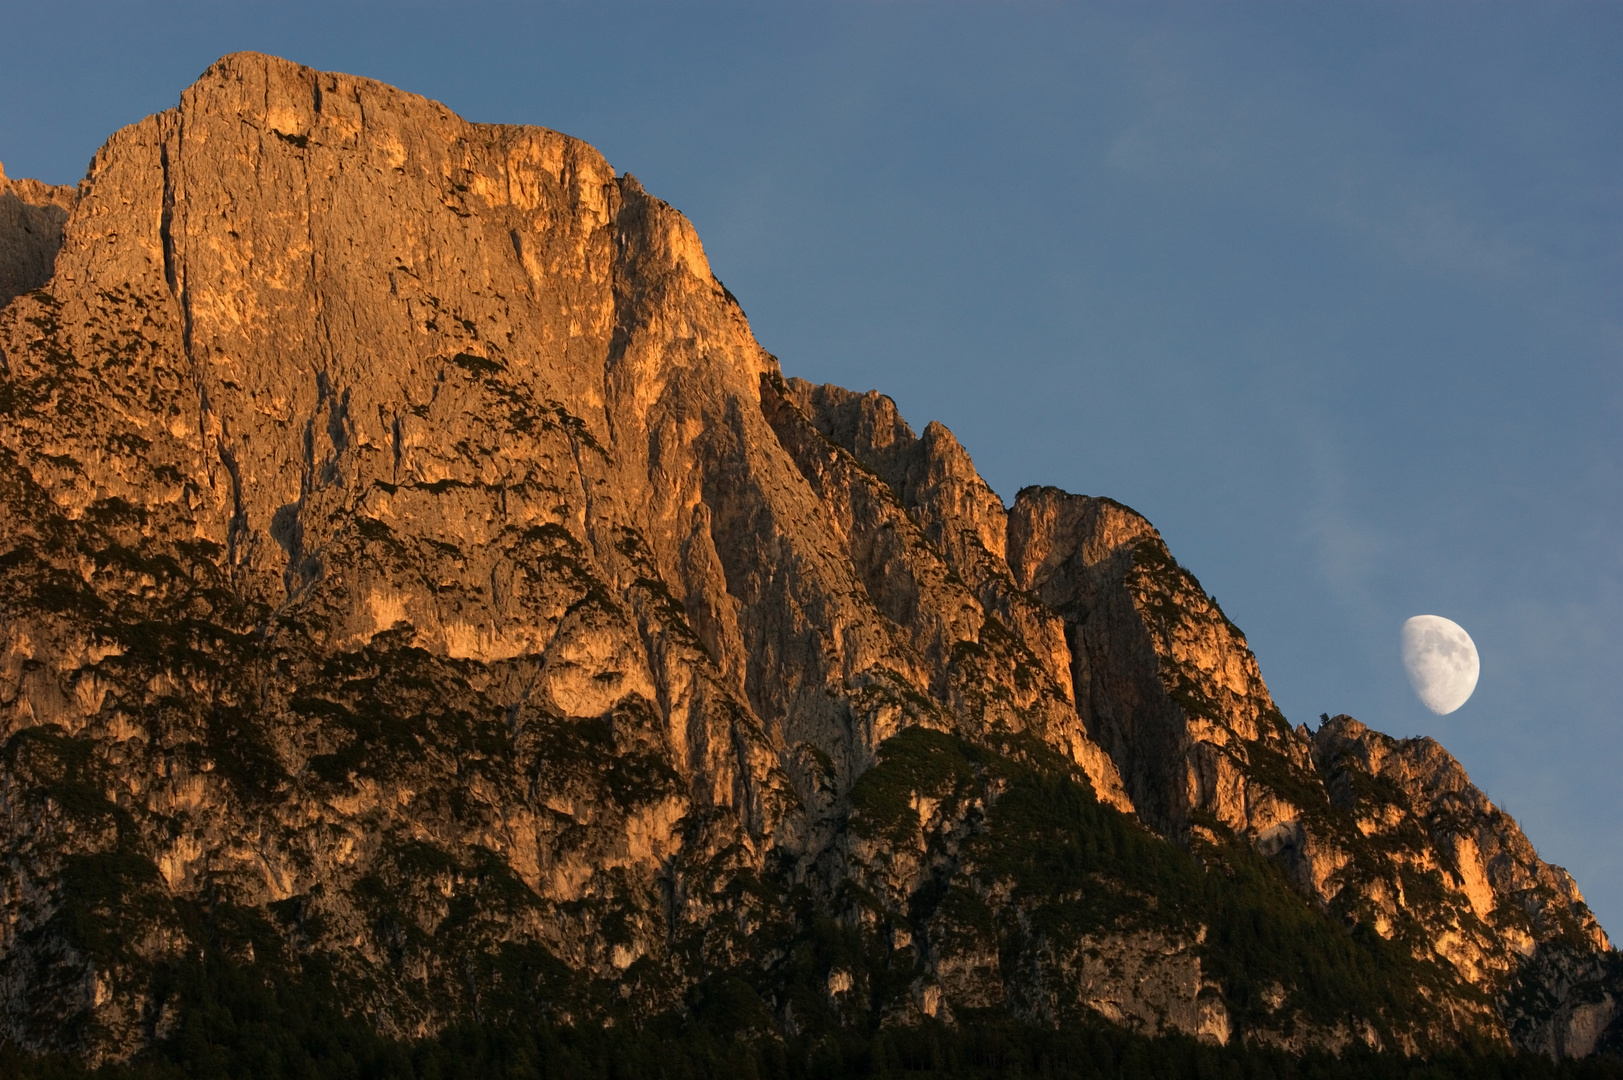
point(423, 597)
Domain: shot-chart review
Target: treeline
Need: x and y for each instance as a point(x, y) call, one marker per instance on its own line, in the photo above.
point(305, 1040)
point(283, 1017)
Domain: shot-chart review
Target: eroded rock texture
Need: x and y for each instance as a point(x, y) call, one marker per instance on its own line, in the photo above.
point(31, 218)
point(418, 582)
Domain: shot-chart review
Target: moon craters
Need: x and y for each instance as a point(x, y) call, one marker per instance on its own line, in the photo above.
point(1442, 662)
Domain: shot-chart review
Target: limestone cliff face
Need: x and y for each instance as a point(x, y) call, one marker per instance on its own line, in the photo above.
point(1385, 833)
point(415, 572)
point(31, 218)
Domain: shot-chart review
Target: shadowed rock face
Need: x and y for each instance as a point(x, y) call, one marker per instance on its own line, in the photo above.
point(412, 562)
point(31, 218)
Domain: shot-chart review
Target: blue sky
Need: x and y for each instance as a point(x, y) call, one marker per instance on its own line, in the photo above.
point(1332, 293)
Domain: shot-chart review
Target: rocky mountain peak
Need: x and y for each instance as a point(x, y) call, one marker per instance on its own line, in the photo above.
point(421, 589)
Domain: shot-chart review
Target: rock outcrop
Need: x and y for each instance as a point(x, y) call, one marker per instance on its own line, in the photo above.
point(32, 215)
point(420, 586)
point(1385, 833)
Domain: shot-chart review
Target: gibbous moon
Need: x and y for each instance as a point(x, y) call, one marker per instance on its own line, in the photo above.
point(1442, 662)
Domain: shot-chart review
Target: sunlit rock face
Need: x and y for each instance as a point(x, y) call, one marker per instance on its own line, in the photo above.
point(414, 571)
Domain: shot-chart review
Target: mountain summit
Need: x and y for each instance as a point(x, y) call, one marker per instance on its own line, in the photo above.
point(421, 591)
